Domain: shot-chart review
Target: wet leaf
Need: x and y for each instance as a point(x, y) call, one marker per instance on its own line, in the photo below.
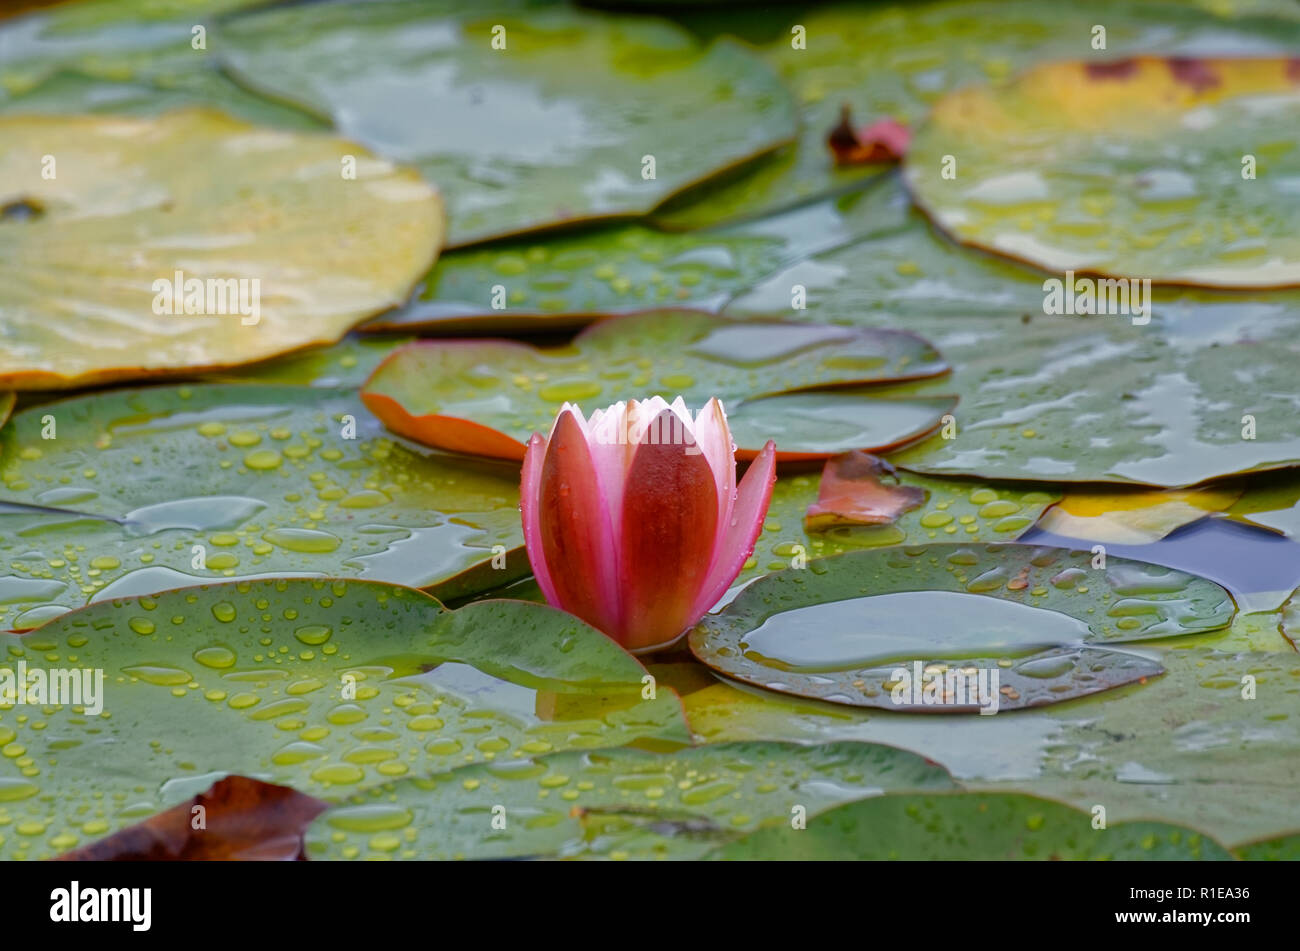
point(263, 478)
point(1289, 624)
point(242, 819)
point(885, 140)
point(323, 686)
point(1272, 503)
point(1139, 168)
point(584, 99)
point(859, 489)
point(1258, 567)
point(436, 391)
point(970, 826)
point(111, 40)
point(1060, 398)
point(347, 363)
point(952, 510)
point(1132, 518)
point(954, 628)
point(612, 803)
point(71, 92)
point(897, 60)
point(148, 198)
point(1284, 848)
point(565, 279)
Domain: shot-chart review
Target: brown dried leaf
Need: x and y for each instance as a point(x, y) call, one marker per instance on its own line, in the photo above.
point(853, 491)
point(245, 820)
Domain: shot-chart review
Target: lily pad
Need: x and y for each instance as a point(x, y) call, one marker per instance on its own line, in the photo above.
point(577, 101)
point(323, 686)
point(488, 396)
point(1284, 848)
point(283, 250)
point(1218, 761)
point(1064, 398)
point(970, 826)
point(73, 92)
point(1141, 168)
point(264, 479)
point(347, 363)
point(920, 51)
point(566, 279)
point(614, 803)
point(110, 39)
point(953, 510)
point(1132, 518)
point(1273, 503)
point(954, 628)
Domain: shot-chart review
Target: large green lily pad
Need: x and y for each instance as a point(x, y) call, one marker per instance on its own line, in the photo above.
point(966, 826)
point(1130, 167)
point(1189, 746)
point(577, 101)
point(1065, 398)
point(895, 61)
point(996, 627)
point(91, 245)
point(550, 281)
point(325, 686)
point(613, 803)
point(488, 396)
point(264, 478)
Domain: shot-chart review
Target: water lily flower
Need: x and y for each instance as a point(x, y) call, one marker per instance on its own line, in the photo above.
point(633, 519)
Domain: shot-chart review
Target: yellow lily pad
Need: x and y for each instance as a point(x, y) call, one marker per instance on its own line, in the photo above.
point(1174, 169)
point(271, 246)
point(1132, 518)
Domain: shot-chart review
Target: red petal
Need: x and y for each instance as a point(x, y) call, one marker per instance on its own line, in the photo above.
point(753, 496)
point(670, 523)
point(574, 528)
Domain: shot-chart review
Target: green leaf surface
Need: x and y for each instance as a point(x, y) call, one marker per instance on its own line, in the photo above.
point(843, 628)
point(612, 803)
point(1065, 398)
point(326, 686)
point(264, 478)
point(549, 281)
point(952, 510)
point(576, 101)
point(1188, 747)
point(970, 827)
point(72, 92)
point(489, 396)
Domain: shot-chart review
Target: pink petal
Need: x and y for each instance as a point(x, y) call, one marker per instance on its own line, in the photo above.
point(670, 520)
point(573, 527)
point(713, 439)
point(530, 507)
point(737, 544)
